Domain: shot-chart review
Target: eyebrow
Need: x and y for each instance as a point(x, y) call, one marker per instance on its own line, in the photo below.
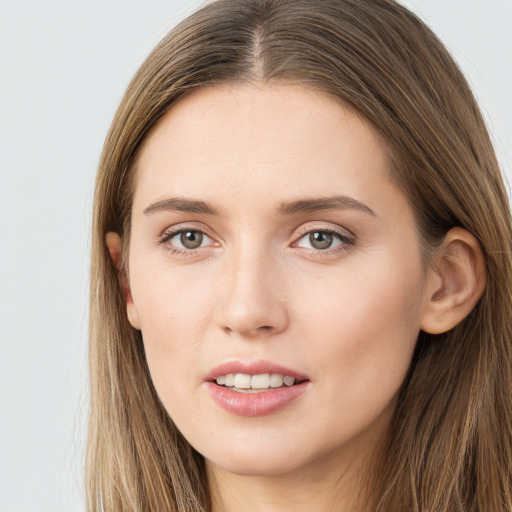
point(326, 203)
point(291, 208)
point(181, 204)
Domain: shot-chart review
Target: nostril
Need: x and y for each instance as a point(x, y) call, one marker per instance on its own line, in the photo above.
point(251, 317)
point(264, 329)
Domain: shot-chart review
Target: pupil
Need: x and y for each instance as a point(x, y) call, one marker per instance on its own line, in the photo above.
point(320, 239)
point(191, 239)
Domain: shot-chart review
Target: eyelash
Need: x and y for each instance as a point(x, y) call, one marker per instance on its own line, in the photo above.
point(170, 234)
point(346, 241)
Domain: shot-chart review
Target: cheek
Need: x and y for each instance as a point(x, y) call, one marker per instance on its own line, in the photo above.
point(367, 320)
point(174, 312)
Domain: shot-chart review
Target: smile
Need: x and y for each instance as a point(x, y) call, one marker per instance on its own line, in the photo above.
point(245, 383)
point(254, 388)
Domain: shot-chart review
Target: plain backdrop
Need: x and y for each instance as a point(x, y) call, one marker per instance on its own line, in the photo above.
point(64, 65)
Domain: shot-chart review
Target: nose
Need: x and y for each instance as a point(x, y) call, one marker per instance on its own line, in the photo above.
point(252, 296)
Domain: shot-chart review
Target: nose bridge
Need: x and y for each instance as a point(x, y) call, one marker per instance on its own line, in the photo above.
point(251, 291)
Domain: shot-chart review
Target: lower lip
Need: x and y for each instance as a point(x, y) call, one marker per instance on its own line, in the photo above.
point(254, 404)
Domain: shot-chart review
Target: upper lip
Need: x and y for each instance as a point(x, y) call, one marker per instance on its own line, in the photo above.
point(252, 368)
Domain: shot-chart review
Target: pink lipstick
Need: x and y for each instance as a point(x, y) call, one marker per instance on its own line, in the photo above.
point(254, 388)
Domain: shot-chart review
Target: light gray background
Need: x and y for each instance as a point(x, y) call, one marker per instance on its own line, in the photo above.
point(63, 68)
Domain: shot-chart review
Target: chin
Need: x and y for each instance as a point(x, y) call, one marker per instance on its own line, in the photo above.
point(269, 465)
point(263, 458)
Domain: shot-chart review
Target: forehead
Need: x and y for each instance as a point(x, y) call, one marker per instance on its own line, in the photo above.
point(253, 139)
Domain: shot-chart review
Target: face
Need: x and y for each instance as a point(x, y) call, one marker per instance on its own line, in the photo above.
point(270, 252)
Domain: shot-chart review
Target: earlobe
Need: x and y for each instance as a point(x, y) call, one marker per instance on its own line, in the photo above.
point(456, 282)
point(114, 245)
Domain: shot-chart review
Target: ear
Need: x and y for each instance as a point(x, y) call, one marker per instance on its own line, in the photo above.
point(456, 283)
point(114, 245)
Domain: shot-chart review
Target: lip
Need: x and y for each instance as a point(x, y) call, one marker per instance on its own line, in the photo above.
point(252, 368)
point(254, 404)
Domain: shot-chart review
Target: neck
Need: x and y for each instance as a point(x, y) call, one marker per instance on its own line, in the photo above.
point(325, 485)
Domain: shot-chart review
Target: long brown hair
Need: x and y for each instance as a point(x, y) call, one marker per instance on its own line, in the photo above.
point(450, 443)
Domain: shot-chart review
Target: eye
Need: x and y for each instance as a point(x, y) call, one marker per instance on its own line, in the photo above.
point(191, 239)
point(324, 239)
point(186, 239)
point(321, 240)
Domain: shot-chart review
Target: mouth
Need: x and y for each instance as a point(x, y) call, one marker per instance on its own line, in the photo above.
point(258, 383)
point(254, 388)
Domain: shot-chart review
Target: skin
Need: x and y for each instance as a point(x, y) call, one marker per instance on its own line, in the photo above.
point(256, 288)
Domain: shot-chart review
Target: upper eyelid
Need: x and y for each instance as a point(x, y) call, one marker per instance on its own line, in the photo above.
point(178, 228)
point(297, 233)
point(331, 228)
point(164, 240)
point(170, 232)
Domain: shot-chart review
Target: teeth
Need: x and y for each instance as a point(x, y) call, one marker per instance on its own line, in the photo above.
point(289, 381)
point(261, 381)
point(276, 380)
point(242, 381)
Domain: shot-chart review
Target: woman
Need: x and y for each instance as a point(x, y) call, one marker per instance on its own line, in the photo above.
point(301, 272)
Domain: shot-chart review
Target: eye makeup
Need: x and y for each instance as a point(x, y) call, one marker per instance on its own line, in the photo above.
point(318, 240)
point(189, 239)
point(324, 241)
